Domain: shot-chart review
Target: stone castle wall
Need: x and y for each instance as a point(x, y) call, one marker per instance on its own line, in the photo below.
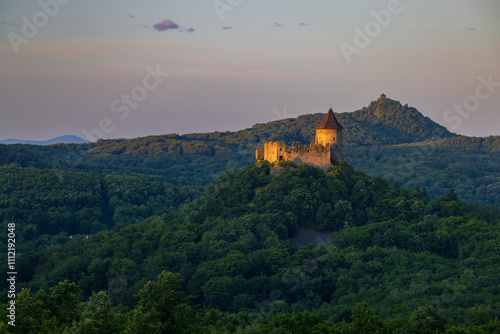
point(275, 151)
point(337, 154)
point(313, 155)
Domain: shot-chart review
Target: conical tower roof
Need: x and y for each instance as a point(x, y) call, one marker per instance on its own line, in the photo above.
point(329, 122)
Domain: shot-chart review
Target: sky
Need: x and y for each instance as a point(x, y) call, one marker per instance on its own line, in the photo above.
point(128, 68)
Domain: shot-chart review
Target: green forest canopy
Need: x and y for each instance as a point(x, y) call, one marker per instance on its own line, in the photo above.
point(407, 256)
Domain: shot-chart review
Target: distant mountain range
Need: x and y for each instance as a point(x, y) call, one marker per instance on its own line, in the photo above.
point(58, 140)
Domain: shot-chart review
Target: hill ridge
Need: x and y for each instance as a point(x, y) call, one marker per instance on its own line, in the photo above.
point(66, 139)
point(395, 124)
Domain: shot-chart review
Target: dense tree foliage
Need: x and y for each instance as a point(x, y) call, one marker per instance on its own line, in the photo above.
point(49, 206)
point(178, 169)
point(490, 143)
point(474, 173)
point(421, 265)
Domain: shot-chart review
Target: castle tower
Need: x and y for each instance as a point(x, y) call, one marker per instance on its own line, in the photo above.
point(329, 135)
point(274, 151)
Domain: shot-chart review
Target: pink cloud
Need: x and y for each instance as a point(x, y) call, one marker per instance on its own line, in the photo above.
point(165, 25)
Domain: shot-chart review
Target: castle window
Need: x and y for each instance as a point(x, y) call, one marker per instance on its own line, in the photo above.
point(297, 151)
point(333, 138)
point(280, 149)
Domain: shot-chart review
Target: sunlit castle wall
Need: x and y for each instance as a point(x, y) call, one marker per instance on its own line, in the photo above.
point(274, 151)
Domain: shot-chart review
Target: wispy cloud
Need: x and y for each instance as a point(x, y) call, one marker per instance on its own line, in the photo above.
point(227, 28)
point(131, 16)
point(9, 23)
point(187, 29)
point(303, 24)
point(279, 25)
point(166, 25)
point(471, 29)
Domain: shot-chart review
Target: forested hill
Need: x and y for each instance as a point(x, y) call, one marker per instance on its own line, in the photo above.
point(401, 124)
point(489, 143)
point(149, 225)
point(423, 266)
point(385, 139)
point(382, 123)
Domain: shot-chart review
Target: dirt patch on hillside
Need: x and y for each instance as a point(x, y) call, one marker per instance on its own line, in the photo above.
point(308, 236)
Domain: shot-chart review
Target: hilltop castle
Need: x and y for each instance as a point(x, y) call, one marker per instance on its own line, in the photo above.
point(326, 149)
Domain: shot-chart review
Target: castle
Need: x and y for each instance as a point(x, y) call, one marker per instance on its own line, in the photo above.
point(326, 149)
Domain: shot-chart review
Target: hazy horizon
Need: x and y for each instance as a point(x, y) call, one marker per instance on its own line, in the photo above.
point(67, 67)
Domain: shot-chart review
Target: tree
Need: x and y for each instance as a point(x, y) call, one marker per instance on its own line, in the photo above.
point(481, 315)
point(364, 321)
point(44, 313)
point(360, 194)
point(343, 214)
point(99, 317)
point(33, 316)
point(426, 320)
point(452, 195)
point(63, 301)
point(218, 292)
point(162, 308)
